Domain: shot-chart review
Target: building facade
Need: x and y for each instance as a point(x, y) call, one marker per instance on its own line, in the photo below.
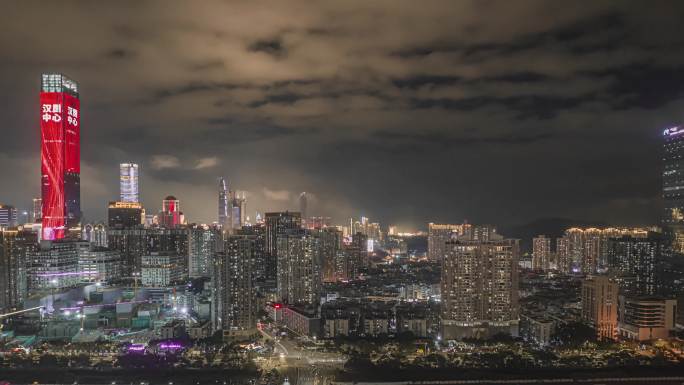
point(673, 187)
point(299, 271)
point(60, 155)
point(600, 305)
point(541, 252)
point(235, 309)
point(128, 181)
point(54, 265)
point(480, 288)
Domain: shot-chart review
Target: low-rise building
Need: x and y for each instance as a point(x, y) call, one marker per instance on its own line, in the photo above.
point(537, 328)
point(302, 322)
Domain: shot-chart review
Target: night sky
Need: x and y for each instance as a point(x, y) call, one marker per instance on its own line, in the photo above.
point(403, 111)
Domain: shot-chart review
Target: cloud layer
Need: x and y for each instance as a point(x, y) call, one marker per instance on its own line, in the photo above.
point(407, 112)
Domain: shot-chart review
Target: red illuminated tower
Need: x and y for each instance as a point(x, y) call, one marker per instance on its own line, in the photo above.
point(60, 155)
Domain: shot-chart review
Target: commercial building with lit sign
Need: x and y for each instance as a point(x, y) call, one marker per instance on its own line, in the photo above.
point(60, 155)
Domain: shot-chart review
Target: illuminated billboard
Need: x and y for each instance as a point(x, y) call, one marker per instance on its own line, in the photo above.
point(60, 155)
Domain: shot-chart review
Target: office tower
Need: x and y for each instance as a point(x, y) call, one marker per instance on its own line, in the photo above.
point(124, 215)
point(60, 155)
point(8, 216)
point(128, 179)
point(299, 271)
point(238, 207)
point(235, 307)
point(673, 184)
point(480, 287)
point(170, 216)
point(303, 206)
point(600, 305)
point(276, 225)
point(634, 260)
point(54, 265)
point(161, 269)
point(99, 264)
point(541, 250)
point(36, 213)
point(438, 235)
point(223, 206)
point(202, 246)
point(14, 248)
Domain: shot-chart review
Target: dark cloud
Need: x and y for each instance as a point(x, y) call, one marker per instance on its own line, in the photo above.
point(496, 111)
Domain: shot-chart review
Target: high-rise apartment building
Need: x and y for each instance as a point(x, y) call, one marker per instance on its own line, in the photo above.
point(634, 261)
point(541, 252)
point(235, 310)
point(480, 287)
point(673, 187)
point(128, 179)
point(600, 305)
point(60, 155)
point(202, 246)
point(277, 224)
point(438, 235)
point(15, 246)
point(299, 271)
point(585, 250)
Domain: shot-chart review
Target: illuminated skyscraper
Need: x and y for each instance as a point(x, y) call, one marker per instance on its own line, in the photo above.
point(541, 249)
point(238, 209)
point(235, 309)
point(8, 216)
point(170, 215)
point(480, 287)
point(37, 210)
point(60, 155)
point(303, 205)
point(128, 177)
point(277, 224)
point(673, 187)
point(223, 208)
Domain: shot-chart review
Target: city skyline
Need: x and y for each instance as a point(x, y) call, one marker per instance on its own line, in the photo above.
point(574, 134)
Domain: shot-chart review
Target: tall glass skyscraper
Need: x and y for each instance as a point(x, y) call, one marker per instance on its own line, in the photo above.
point(223, 208)
point(673, 187)
point(128, 177)
point(60, 129)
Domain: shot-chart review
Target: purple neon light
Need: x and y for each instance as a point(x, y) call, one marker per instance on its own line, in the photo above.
point(102, 305)
point(66, 274)
point(170, 345)
point(676, 130)
point(136, 348)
